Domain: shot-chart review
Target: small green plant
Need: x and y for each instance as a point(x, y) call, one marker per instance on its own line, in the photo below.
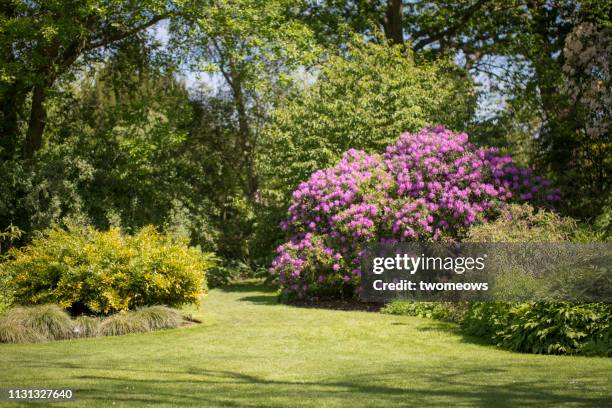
point(432, 310)
point(223, 273)
point(7, 237)
point(140, 321)
point(486, 319)
point(52, 322)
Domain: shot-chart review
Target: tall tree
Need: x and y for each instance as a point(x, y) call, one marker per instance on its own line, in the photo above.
point(254, 46)
point(515, 50)
point(43, 40)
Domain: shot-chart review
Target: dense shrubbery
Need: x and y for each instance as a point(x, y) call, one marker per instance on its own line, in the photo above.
point(523, 223)
point(543, 327)
point(94, 272)
point(533, 327)
point(432, 185)
point(530, 327)
point(365, 96)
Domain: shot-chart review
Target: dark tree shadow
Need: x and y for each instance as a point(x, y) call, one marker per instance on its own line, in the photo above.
point(196, 386)
point(248, 286)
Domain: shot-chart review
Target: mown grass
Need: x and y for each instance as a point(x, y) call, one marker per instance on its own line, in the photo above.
point(250, 351)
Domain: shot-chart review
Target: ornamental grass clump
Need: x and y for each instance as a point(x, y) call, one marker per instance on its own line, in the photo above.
point(35, 324)
point(124, 323)
point(160, 317)
point(86, 326)
point(429, 186)
point(12, 331)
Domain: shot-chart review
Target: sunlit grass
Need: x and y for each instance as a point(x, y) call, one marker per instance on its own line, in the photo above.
point(252, 351)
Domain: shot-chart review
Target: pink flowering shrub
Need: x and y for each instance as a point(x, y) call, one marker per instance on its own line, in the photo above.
point(431, 185)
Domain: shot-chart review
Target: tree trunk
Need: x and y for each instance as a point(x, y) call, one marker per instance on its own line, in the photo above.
point(38, 120)
point(10, 105)
point(392, 22)
point(247, 144)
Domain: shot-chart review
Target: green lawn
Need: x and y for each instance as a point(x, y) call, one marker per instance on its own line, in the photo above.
point(251, 351)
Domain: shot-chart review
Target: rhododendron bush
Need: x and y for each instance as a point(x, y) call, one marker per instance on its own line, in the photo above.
point(430, 185)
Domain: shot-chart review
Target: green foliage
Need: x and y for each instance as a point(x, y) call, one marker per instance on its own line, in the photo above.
point(523, 223)
point(361, 99)
point(10, 234)
point(432, 310)
point(558, 328)
point(225, 272)
point(543, 327)
point(45, 42)
point(486, 319)
point(35, 324)
point(91, 271)
point(549, 327)
point(49, 322)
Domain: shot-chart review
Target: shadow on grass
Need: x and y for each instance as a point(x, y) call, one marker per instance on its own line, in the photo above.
point(268, 298)
point(453, 329)
point(271, 299)
point(406, 386)
point(252, 285)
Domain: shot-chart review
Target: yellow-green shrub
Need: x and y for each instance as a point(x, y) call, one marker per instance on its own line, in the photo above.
point(101, 272)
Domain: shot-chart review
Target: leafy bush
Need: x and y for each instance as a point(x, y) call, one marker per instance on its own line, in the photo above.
point(558, 328)
point(364, 97)
point(486, 319)
point(124, 323)
point(35, 324)
point(7, 237)
point(523, 223)
point(101, 272)
point(431, 185)
point(543, 327)
point(432, 310)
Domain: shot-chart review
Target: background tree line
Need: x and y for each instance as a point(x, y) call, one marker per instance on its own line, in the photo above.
point(97, 122)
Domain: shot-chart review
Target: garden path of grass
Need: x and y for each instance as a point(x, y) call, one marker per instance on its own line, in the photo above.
point(251, 351)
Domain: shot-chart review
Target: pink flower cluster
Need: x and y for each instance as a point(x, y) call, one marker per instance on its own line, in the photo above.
point(430, 185)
